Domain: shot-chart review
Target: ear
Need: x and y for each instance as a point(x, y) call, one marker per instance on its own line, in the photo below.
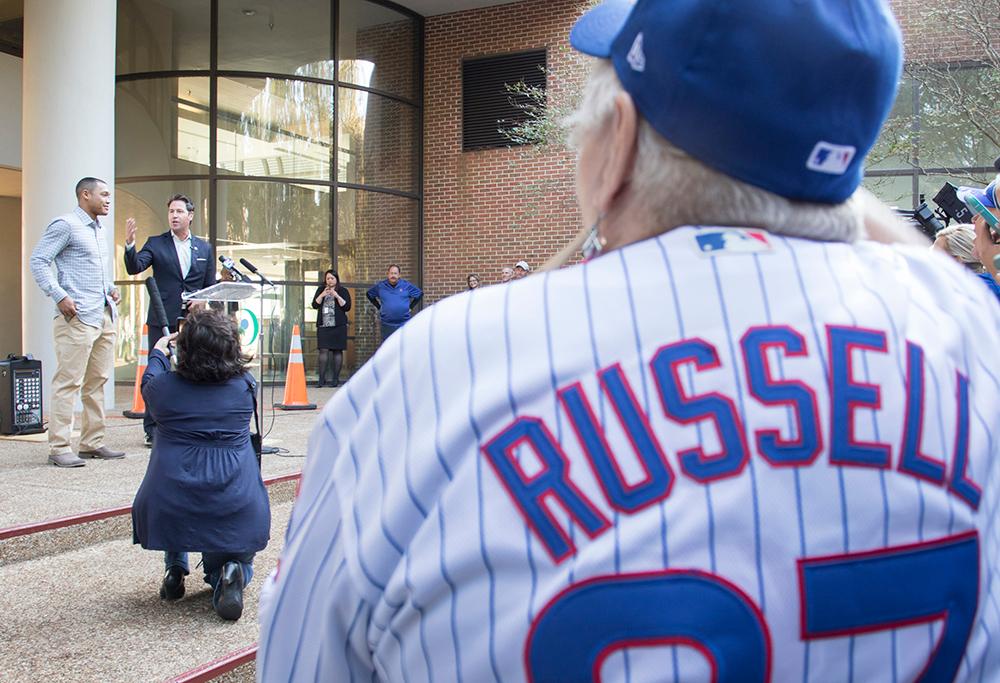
point(619, 152)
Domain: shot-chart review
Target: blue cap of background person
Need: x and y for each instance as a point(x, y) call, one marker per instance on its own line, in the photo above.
point(987, 197)
point(787, 95)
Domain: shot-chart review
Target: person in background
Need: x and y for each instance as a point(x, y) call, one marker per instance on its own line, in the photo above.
point(202, 491)
point(959, 242)
point(985, 246)
point(521, 268)
point(332, 301)
point(84, 328)
point(181, 263)
point(394, 298)
point(472, 280)
point(506, 274)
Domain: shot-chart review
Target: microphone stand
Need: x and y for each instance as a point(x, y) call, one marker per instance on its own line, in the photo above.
point(261, 282)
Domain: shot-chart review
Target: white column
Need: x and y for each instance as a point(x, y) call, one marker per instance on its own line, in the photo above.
point(68, 133)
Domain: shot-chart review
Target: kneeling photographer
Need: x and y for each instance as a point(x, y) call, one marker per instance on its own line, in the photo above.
point(202, 491)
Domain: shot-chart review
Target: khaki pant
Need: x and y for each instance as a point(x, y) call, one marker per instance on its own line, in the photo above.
point(84, 358)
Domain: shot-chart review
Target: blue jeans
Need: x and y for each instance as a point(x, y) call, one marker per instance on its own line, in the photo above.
point(212, 563)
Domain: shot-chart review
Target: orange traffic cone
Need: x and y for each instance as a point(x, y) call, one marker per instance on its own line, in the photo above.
point(295, 379)
point(138, 405)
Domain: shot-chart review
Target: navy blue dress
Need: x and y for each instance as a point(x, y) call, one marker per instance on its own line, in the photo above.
point(202, 491)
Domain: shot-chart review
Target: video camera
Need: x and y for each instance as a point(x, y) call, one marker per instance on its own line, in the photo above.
point(950, 208)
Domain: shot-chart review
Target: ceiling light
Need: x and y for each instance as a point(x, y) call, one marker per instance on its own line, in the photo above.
point(249, 12)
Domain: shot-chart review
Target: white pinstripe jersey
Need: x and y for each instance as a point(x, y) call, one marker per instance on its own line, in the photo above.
point(713, 453)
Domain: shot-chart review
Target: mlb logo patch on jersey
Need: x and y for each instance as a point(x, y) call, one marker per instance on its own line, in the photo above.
point(732, 241)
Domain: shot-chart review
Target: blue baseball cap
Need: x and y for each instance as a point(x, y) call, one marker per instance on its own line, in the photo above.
point(987, 197)
point(786, 95)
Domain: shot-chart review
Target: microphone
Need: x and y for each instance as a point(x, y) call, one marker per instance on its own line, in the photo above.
point(228, 264)
point(159, 314)
point(996, 261)
point(253, 269)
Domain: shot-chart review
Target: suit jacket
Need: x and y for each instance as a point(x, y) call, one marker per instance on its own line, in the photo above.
point(160, 253)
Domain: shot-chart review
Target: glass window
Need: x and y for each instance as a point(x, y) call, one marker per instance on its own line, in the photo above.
point(287, 37)
point(274, 127)
point(893, 148)
point(282, 229)
point(161, 127)
point(896, 191)
point(377, 140)
point(162, 35)
point(147, 203)
point(949, 104)
point(375, 229)
point(377, 48)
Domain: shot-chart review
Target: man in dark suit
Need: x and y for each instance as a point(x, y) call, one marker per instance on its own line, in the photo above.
point(181, 263)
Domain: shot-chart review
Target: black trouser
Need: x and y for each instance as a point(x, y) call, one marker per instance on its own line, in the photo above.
point(155, 333)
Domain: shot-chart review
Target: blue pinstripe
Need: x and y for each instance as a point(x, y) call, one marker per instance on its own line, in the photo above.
point(682, 335)
point(436, 392)
point(354, 508)
point(554, 384)
point(512, 402)
point(347, 644)
point(454, 597)
point(821, 351)
point(800, 514)
point(989, 441)
point(312, 587)
point(381, 463)
point(600, 410)
point(452, 588)
point(409, 426)
point(646, 408)
point(743, 416)
point(479, 491)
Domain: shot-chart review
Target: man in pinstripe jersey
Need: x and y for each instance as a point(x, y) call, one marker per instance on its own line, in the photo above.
point(742, 442)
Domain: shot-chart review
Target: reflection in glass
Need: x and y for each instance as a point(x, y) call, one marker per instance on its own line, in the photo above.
point(161, 127)
point(377, 139)
point(893, 148)
point(276, 37)
point(274, 127)
point(162, 35)
point(896, 191)
point(377, 48)
point(948, 105)
point(147, 203)
point(375, 229)
point(284, 230)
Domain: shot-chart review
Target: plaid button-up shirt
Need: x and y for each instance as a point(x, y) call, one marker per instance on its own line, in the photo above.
point(75, 243)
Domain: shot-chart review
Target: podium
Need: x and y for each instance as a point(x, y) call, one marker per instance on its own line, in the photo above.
point(244, 302)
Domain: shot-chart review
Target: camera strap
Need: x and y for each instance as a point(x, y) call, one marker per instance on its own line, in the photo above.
point(255, 439)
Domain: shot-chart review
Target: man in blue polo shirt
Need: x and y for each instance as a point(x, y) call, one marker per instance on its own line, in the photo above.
point(393, 297)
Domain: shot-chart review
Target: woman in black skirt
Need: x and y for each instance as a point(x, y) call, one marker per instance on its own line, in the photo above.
point(332, 301)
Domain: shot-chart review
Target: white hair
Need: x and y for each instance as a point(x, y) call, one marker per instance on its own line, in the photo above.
point(676, 189)
point(959, 240)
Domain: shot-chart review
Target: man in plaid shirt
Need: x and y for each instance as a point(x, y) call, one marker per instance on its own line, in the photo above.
point(84, 327)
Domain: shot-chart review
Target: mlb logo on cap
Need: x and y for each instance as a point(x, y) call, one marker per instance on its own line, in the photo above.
point(830, 158)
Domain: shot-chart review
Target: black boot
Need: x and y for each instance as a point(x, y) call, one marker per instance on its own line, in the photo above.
point(172, 587)
point(229, 592)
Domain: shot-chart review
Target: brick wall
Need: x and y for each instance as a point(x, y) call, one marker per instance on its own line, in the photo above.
point(933, 34)
point(490, 208)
